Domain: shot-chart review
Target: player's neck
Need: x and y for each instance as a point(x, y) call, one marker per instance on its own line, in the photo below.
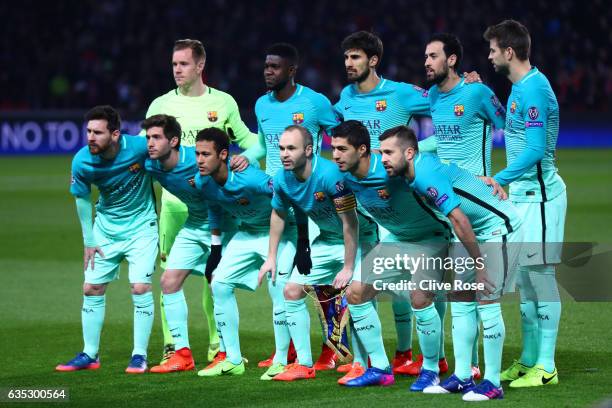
point(111, 152)
point(519, 70)
point(369, 83)
point(410, 171)
point(220, 176)
point(197, 88)
point(452, 79)
point(169, 161)
point(286, 92)
point(304, 172)
point(363, 168)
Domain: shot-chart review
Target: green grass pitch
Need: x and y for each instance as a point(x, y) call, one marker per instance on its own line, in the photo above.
point(41, 278)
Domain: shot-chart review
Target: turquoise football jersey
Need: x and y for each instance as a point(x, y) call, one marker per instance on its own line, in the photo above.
point(463, 119)
point(180, 182)
point(388, 105)
point(395, 205)
point(245, 195)
point(321, 197)
point(447, 186)
point(305, 107)
point(126, 201)
point(532, 120)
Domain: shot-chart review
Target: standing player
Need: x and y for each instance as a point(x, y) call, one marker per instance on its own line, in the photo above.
point(315, 186)
point(287, 103)
point(381, 104)
point(125, 228)
point(463, 118)
point(538, 192)
point(478, 219)
point(196, 106)
point(198, 241)
point(245, 195)
point(415, 227)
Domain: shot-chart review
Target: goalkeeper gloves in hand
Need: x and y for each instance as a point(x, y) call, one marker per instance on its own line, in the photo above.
point(213, 261)
point(302, 257)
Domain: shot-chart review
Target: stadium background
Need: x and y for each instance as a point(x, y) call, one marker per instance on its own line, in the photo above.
point(58, 59)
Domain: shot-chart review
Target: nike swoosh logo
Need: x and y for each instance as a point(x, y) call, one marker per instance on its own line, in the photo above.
point(148, 275)
point(488, 328)
point(357, 321)
point(276, 314)
point(347, 107)
point(176, 328)
point(532, 255)
point(218, 314)
point(547, 380)
point(264, 120)
point(283, 274)
point(227, 371)
point(542, 307)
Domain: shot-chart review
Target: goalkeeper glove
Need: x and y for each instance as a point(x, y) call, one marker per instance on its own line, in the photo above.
point(302, 257)
point(213, 261)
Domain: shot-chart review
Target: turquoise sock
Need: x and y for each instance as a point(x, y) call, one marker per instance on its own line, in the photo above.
point(227, 318)
point(402, 313)
point(529, 326)
point(493, 335)
point(441, 309)
point(298, 320)
point(359, 354)
point(429, 329)
point(464, 330)
point(92, 318)
point(368, 329)
point(548, 313)
point(176, 315)
point(282, 337)
point(144, 313)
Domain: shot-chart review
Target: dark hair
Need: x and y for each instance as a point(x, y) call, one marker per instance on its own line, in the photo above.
point(511, 34)
point(285, 51)
point(218, 136)
point(452, 45)
point(303, 131)
point(404, 134)
point(196, 47)
point(107, 113)
point(366, 41)
point(356, 133)
point(168, 123)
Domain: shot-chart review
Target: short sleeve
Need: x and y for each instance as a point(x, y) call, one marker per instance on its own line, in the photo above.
point(414, 99)
point(79, 184)
point(436, 187)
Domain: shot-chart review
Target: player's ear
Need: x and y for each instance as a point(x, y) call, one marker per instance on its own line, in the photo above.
point(362, 150)
point(308, 150)
point(409, 153)
point(452, 60)
point(509, 53)
point(293, 70)
point(200, 65)
point(373, 61)
point(223, 154)
point(174, 142)
point(115, 135)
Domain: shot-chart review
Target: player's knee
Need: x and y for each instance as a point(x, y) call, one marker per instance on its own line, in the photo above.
point(293, 291)
point(140, 288)
point(169, 282)
point(420, 299)
point(354, 294)
point(92, 289)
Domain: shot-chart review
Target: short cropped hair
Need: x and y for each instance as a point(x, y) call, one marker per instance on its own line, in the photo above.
point(196, 47)
point(285, 51)
point(452, 45)
point(369, 42)
point(404, 134)
point(168, 123)
point(355, 133)
point(215, 135)
point(306, 135)
point(511, 34)
point(105, 112)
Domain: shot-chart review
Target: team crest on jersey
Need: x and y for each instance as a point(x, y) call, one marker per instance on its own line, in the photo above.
point(212, 116)
point(135, 167)
point(191, 182)
point(459, 109)
point(381, 105)
point(298, 118)
point(243, 201)
point(513, 107)
point(319, 196)
point(383, 194)
point(533, 113)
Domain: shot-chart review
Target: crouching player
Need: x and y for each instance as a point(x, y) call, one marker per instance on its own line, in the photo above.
point(414, 227)
point(125, 228)
point(478, 218)
point(246, 196)
point(174, 167)
point(315, 186)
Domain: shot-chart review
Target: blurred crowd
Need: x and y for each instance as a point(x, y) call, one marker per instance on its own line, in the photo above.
point(75, 54)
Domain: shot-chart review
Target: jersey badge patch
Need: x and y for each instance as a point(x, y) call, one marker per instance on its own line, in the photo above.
point(212, 116)
point(319, 196)
point(381, 105)
point(298, 118)
point(459, 109)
